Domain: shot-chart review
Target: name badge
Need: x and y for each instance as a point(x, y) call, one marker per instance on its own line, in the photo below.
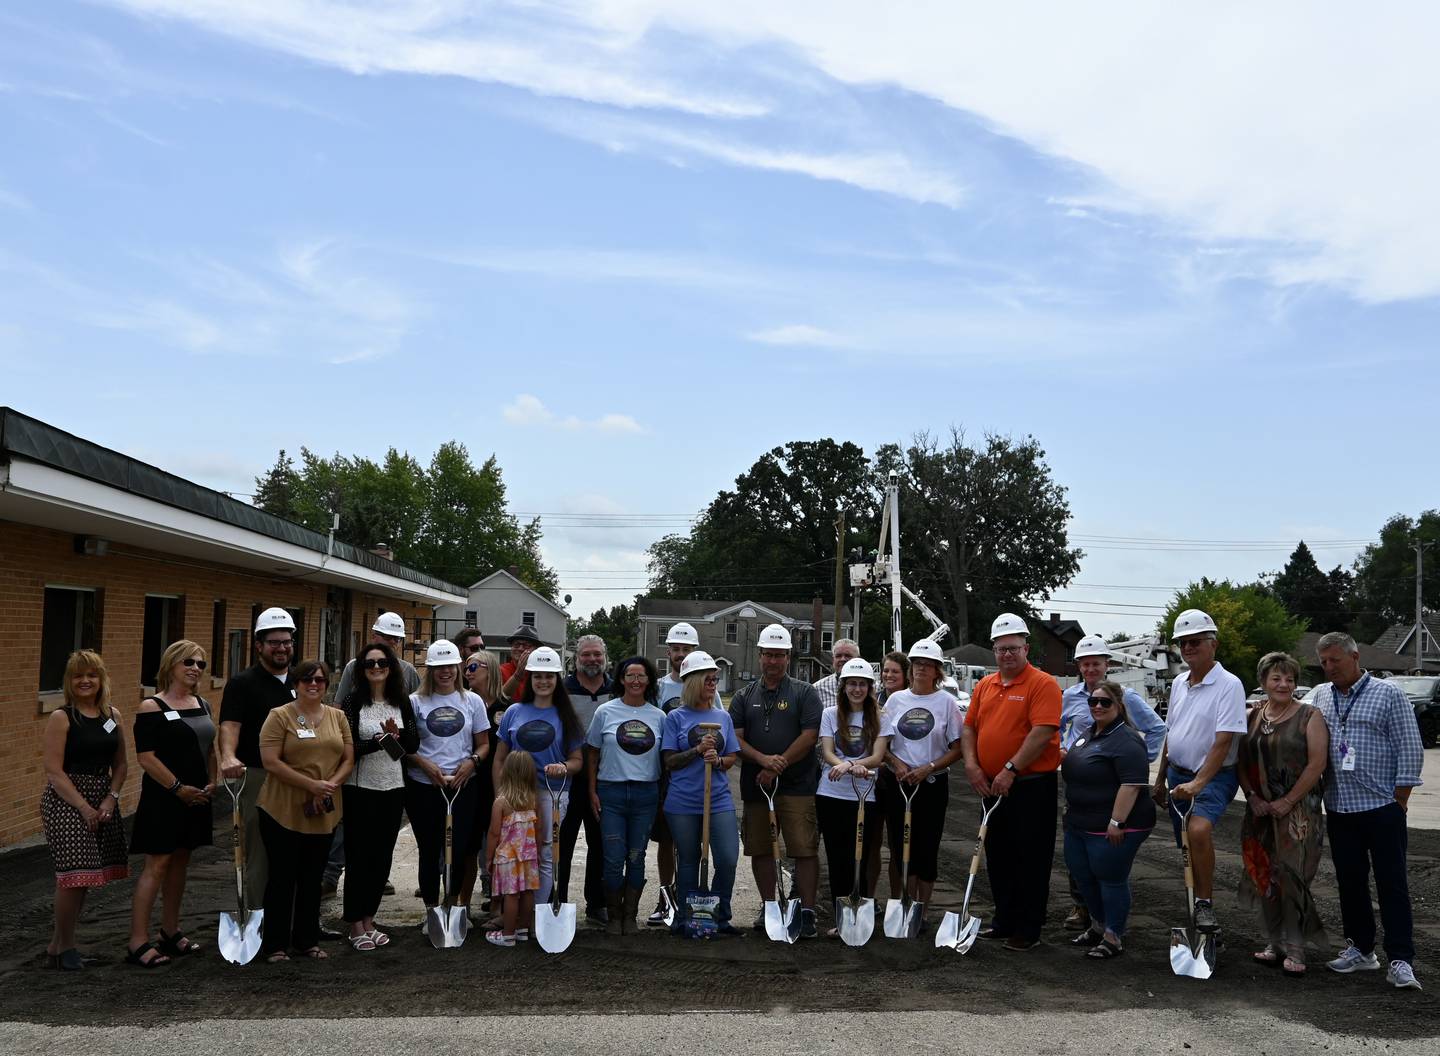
point(172, 716)
point(109, 726)
point(305, 734)
point(1347, 761)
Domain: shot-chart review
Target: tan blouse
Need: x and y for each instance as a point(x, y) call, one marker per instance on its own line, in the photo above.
point(316, 757)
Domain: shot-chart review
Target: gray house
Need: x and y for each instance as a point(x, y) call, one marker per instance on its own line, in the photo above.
point(728, 630)
point(497, 605)
point(1400, 639)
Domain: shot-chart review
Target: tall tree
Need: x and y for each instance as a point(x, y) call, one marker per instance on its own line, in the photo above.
point(275, 491)
point(1384, 588)
point(1310, 594)
point(984, 527)
point(1250, 621)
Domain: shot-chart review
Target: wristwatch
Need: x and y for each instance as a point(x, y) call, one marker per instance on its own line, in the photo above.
point(1115, 824)
point(1010, 765)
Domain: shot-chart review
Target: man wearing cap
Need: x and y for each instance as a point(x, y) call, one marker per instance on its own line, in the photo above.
point(841, 653)
point(1197, 765)
point(248, 700)
point(680, 642)
point(1092, 657)
point(1011, 744)
point(777, 721)
point(588, 688)
point(522, 642)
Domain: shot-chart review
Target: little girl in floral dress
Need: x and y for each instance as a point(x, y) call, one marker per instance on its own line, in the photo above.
point(514, 852)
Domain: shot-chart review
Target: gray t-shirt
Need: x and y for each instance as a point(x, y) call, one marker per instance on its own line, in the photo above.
point(628, 739)
point(770, 721)
point(347, 678)
point(583, 701)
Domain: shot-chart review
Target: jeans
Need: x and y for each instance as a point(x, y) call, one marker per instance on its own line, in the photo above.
point(724, 848)
point(627, 811)
point(1359, 842)
point(544, 829)
point(570, 827)
point(1102, 874)
point(292, 889)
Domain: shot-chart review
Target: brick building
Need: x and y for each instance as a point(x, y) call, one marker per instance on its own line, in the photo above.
point(98, 550)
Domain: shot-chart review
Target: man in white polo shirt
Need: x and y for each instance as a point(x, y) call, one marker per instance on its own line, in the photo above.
point(1197, 765)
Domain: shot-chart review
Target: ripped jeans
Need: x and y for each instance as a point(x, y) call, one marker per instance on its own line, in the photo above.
point(627, 812)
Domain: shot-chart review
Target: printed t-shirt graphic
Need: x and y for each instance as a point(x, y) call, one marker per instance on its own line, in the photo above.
point(635, 737)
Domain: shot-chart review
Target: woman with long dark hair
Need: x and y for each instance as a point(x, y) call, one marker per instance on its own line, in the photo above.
point(482, 675)
point(383, 730)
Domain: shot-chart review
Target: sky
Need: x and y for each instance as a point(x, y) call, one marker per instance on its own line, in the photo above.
point(626, 246)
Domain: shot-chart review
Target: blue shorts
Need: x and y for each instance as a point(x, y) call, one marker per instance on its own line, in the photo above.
point(1212, 800)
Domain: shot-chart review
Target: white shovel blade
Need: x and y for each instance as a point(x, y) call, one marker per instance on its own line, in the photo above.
point(956, 934)
point(902, 919)
point(782, 923)
point(857, 925)
point(554, 931)
point(240, 945)
point(1183, 960)
point(669, 903)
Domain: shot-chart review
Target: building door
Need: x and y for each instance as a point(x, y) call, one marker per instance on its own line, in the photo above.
point(334, 622)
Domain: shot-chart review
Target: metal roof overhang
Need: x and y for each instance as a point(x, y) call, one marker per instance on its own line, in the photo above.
point(41, 495)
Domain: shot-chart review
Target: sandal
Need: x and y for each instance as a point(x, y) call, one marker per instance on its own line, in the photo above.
point(1267, 956)
point(1104, 950)
point(362, 942)
point(1293, 968)
point(277, 956)
point(499, 938)
point(1088, 938)
point(178, 945)
point(138, 956)
point(315, 953)
point(379, 938)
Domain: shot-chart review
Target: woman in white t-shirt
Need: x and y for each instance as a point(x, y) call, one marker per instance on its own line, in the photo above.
point(852, 748)
point(924, 726)
point(382, 728)
point(452, 722)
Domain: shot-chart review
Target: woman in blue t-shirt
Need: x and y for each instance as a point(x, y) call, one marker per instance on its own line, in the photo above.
point(543, 722)
point(686, 749)
point(623, 747)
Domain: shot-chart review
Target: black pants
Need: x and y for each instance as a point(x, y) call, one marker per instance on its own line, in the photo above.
point(425, 806)
point(1019, 853)
point(292, 889)
point(1366, 840)
point(372, 822)
point(581, 813)
point(927, 825)
point(836, 820)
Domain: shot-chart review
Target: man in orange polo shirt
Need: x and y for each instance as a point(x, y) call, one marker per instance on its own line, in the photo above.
point(1012, 749)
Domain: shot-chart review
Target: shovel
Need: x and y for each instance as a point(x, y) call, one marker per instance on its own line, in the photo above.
point(240, 934)
point(554, 920)
point(952, 933)
point(700, 904)
point(855, 913)
point(782, 915)
point(445, 925)
point(1191, 953)
point(902, 916)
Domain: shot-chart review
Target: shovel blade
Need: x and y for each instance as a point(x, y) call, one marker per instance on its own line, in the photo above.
point(240, 943)
point(857, 922)
point(446, 927)
point(902, 918)
point(667, 900)
point(782, 922)
point(956, 933)
point(555, 926)
point(1184, 959)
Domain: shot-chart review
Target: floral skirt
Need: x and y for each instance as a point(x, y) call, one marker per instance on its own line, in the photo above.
point(83, 858)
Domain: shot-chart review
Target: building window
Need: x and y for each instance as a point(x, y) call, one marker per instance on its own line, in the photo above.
point(471, 617)
point(732, 634)
point(663, 665)
point(164, 623)
point(71, 621)
point(527, 619)
point(235, 651)
point(804, 641)
point(827, 640)
point(660, 636)
point(217, 640)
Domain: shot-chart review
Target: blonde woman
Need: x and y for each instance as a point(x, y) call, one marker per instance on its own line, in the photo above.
point(85, 765)
point(482, 675)
point(175, 746)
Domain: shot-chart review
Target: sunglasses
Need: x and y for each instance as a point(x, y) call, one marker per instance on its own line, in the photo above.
point(1101, 702)
point(476, 666)
point(314, 680)
point(194, 661)
point(382, 664)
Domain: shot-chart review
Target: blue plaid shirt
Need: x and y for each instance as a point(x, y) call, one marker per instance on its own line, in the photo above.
point(1377, 720)
point(1075, 718)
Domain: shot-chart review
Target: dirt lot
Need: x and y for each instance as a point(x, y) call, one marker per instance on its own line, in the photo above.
point(655, 973)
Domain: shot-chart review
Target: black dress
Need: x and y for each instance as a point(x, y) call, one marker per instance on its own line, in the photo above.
point(181, 740)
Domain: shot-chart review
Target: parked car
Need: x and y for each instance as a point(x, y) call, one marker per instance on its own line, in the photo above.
point(1424, 694)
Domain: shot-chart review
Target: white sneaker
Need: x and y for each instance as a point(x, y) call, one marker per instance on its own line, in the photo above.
point(1352, 960)
point(1402, 976)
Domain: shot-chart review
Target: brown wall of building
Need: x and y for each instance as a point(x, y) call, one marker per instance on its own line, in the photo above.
point(32, 558)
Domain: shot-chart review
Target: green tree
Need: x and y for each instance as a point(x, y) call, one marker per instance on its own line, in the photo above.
point(1312, 595)
point(275, 491)
point(1250, 621)
point(1384, 588)
point(617, 625)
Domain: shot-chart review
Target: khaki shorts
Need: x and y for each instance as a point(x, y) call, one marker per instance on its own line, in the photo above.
point(796, 815)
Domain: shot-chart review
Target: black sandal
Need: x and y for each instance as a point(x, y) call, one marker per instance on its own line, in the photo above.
point(138, 956)
point(1088, 938)
point(1104, 950)
point(179, 944)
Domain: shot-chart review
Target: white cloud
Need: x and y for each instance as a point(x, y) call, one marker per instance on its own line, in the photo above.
point(529, 410)
point(800, 334)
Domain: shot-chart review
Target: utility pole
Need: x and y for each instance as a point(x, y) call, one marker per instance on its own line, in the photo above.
point(1419, 604)
point(839, 581)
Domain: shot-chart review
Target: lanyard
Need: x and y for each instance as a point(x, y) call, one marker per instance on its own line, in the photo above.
point(1354, 697)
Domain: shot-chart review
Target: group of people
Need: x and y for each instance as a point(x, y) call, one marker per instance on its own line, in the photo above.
point(518, 757)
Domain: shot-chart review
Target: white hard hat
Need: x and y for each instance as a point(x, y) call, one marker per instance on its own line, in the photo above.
point(774, 637)
point(926, 649)
point(1193, 621)
point(682, 634)
point(857, 668)
point(1007, 623)
point(543, 660)
point(273, 620)
point(697, 661)
point(390, 623)
point(1091, 645)
point(441, 653)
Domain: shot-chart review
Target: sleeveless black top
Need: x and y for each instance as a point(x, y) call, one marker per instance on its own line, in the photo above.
point(89, 747)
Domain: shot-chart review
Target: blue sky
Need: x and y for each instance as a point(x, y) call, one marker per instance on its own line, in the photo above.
point(628, 245)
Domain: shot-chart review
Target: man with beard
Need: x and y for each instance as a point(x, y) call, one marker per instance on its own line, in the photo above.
point(588, 687)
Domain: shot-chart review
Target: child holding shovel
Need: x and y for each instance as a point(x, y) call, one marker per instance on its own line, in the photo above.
point(514, 850)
